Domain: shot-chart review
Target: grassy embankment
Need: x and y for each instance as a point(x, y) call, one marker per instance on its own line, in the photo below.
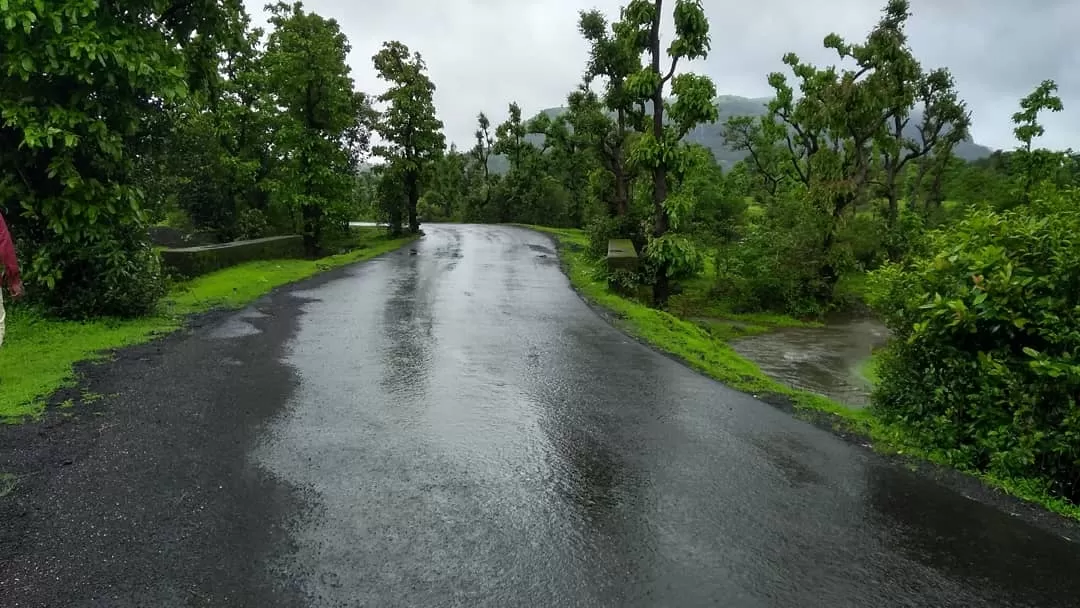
point(703, 341)
point(39, 353)
point(703, 344)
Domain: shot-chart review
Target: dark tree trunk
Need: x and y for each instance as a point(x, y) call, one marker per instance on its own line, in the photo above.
point(413, 193)
point(394, 214)
point(935, 197)
point(916, 189)
point(892, 194)
point(312, 218)
point(622, 178)
point(661, 285)
point(621, 203)
point(892, 220)
point(828, 271)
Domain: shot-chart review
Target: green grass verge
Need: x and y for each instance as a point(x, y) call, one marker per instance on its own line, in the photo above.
point(39, 353)
point(693, 342)
point(706, 350)
point(868, 370)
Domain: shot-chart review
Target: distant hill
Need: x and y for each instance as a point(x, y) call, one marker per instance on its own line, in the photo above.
point(712, 136)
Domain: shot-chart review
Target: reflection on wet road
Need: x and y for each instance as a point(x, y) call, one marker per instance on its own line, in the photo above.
point(472, 434)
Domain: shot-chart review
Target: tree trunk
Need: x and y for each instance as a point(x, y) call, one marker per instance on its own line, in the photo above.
point(892, 219)
point(310, 215)
point(621, 203)
point(828, 271)
point(413, 192)
point(892, 194)
point(622, 178)
point(312, 219)
point(935, 197)
point(661, 285)
point(916, 188)
point(394, 217)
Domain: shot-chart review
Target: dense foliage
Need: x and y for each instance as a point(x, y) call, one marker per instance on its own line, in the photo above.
point(985, 361)
point(983, 367)
point(321, 123)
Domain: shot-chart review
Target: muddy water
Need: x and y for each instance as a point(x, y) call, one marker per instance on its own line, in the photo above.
point(824, 360)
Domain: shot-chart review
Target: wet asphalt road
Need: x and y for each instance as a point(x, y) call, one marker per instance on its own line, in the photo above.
point(453, 426)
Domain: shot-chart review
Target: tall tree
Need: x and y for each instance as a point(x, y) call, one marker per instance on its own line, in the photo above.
point(448, 186)
point(768, 160)
point(510, 137)
point(566, 159)
point(1035, 165)
point(411, 131)
point(890, 64)
point(847, 120)
point(522, 181)
point(946, 122)
point(481, 157)
point(660, 150)
point(325, 122)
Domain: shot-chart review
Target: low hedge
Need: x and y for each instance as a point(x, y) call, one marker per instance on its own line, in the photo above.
point(194, 261)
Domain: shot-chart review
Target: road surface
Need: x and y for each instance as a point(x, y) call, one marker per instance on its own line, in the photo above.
point(450, 425)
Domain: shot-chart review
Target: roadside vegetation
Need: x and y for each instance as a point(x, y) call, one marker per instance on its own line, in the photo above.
point(40, 351)
point(849, 195)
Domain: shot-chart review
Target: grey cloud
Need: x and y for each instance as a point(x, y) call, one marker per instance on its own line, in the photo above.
point(482, 54)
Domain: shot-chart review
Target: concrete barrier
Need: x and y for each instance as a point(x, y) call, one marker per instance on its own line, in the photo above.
point(194, 261)
point(621, 255)
point(164, 236)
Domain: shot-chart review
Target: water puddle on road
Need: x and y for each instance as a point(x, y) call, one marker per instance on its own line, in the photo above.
point(238, 325)
point(825, 360)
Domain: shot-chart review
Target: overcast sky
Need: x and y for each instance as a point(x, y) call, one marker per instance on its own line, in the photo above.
point(482, 54)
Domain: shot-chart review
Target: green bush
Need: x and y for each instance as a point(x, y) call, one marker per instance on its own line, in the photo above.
point(252, 224)
point(118, 276)
point(601, 230)
point(983, 366)
point(776, 265)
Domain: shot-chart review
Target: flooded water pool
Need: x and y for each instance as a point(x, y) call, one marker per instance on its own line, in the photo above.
point(824, 360)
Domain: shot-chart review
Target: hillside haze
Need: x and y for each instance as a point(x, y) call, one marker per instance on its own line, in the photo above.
point(712, 135)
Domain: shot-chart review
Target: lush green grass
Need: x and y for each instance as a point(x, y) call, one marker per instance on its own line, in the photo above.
point(703, 346)
point(868, 370)
point(38, 353)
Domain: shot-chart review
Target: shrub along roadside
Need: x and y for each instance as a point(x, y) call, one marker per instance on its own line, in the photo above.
point(39, 353)
point(983, 366)
point(715, 358)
